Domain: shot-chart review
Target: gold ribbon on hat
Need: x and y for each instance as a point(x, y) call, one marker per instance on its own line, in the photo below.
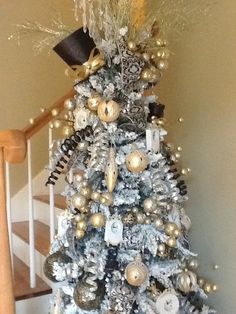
point(82, 72)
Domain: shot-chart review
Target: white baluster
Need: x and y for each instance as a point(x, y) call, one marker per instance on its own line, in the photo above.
point(51, 189)
point(8, 199)
point(31, 220)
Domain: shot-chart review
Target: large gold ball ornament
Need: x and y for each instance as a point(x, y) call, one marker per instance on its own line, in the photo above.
point(48, 266)
point(106, 199)
point(95, 196)
point(86, 191)
point(94, 101)
point(109, 111)
point(69, 104)
point(186, 281)
point(149, 205)
point(85, 300)
point(136, 273)
point(97, 220)
point(136, 161)
point(79, 201)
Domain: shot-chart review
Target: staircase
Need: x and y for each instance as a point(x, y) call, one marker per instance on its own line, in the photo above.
point(27, 224)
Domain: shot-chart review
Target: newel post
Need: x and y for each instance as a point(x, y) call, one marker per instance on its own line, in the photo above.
point(12, 150)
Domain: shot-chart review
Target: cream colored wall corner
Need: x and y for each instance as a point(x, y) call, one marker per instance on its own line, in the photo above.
point(28, 82)
point(200, 86)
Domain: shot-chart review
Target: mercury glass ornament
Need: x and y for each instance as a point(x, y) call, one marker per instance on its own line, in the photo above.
point(136, 273)
point(136, 161)
point(109, 111)
point(57, 257)
point(186, 281)
point(86, 299)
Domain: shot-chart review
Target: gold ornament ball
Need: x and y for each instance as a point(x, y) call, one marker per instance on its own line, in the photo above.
point(60, 258)
point(149, 205)
point(81, 225)
point(132, 46)
point(163, 53)
point(136, 161)
point(159, 42)
point(94, 101)
point(156, 77)
point(146, 56)
point(79, 201)
point(176, 233)
point(140, 218)
point(162, 65)
point(136, 273)
point(67, 130)
point(193, 264)
point(57, 124)
point(147, 221)
point(207, 288)
point(161, 247)
point(146, 75)
point(158, 223)
point(106, 199)
point(109, 111)
point(55, 112)
point(97, 220)
point(169, 228)
point(79, 217)
point(180, 120)
point(189, 170)
point(95, 196)
point(171, 242)
point(78, 178)
point(177, 155)
point(69, 104)
point(184, 172)
point(80, 234)
point(86, 300)
point(214, 288)
point(201, 282)
point(86, 191)
point(179, 149)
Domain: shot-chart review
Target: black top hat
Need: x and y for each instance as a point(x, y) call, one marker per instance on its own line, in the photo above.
point(155, 110)
point(76, 48)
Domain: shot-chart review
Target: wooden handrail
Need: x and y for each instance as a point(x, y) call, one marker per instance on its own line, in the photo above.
point(46, 116)
point(13, 149)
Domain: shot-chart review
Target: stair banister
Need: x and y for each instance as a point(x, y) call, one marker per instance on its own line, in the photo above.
point(13, 149)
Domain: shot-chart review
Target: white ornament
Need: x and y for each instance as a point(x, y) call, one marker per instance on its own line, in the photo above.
point(167, 303)
point(153, 139)
point(114, 231)
point(81, 118)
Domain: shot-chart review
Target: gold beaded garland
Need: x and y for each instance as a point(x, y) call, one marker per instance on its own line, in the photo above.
point(136, 161)
point(108, 111)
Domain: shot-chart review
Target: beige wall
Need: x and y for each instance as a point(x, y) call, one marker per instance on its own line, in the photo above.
point(200, 86)
point(28, 82)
